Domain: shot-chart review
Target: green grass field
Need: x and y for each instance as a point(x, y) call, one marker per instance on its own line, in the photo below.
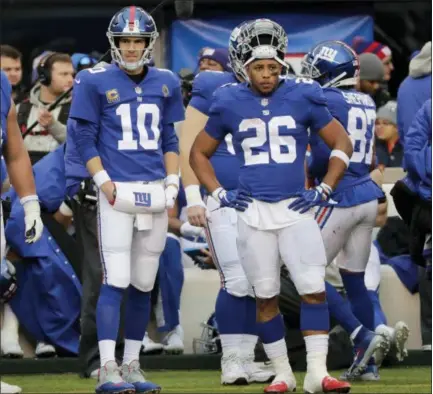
point(395, 380)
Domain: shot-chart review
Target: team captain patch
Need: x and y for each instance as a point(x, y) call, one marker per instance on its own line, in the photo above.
point(112, 95)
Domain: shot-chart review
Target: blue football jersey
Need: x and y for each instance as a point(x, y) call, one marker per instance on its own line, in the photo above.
point(357, 113)
point(224, 161)
point(5, 106)
point(134, 121)
point(270, 134)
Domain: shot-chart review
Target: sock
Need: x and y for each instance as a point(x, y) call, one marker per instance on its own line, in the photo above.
point(230, 313)
point(358, 296)
point(10, 327)
point(137, 314)
point(107, 321)
point(250, 337)
point(358, 335)
point(317, 351)
point(379, 316)
point(272, 334)
point(340, 309)
point(314, 317)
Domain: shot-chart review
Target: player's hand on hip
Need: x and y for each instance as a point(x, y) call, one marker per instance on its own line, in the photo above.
point(198, 215)
point(232, 199)
point(311, 197)
point(109, 189)
point(188, 230)
point(32, 219)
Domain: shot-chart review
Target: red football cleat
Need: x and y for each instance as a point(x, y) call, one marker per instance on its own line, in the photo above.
point(332, 385)
point(279, 387)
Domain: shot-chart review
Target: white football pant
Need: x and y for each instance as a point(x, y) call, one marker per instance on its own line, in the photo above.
point(222, 235)
point(130, 256)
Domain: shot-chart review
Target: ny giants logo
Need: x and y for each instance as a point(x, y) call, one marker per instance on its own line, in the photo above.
point(142, 199)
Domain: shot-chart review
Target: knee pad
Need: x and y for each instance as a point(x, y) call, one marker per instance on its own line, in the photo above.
point(266, 288)
point(143, 272)
point(310, 279)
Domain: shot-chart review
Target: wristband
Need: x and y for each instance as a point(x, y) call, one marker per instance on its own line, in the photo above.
point(26, 199)
point(101, 177)
point(172, 179)
point(340, 155)
point(216, 193)
point(193, 195)
point(65, 210)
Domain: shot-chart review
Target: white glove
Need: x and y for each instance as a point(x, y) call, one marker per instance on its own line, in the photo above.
point(188, 230)
point(171, 190)
point(32, 218)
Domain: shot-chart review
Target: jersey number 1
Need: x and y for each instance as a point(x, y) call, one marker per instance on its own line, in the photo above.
point(148, 141)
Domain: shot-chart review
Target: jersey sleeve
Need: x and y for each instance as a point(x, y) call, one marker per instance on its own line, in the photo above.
point(7, 91)
point(86, 103)
point(215, 126)
point(174, 110)
point(201, 96)
point(319, 112)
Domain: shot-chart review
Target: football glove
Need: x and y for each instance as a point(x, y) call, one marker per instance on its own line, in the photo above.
point(32, 219)
point(311, 197)
point(232, 199)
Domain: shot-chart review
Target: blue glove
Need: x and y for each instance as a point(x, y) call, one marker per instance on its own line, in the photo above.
point(311, 197)
point(232, 199)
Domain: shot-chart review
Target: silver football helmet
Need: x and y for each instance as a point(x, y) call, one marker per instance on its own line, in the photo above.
point(209, 342)
point(235, 50)
point(263, 39)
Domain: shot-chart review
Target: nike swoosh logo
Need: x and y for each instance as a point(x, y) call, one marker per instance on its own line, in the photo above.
point(77, 81)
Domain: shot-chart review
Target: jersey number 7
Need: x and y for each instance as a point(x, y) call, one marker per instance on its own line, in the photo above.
point(147, 140)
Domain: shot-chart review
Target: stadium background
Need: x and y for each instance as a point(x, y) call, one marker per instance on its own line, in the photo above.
point(80, 25)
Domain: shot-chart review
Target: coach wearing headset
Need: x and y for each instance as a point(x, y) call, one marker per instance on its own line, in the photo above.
point(55, 76)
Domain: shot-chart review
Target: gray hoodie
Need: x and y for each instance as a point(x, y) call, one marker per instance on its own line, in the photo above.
point(420, 65)
point(37, 140)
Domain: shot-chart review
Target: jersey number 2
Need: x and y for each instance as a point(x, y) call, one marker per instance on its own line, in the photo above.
point(276, 141)
point(146, 140)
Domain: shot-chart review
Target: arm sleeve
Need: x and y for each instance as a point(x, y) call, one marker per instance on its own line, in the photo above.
point(319, 112)
point(85, 136)
point(173, 108)
point(215, 126)
point(170, 142)
point(417, 149)
point(86, 103)
point(58, 131)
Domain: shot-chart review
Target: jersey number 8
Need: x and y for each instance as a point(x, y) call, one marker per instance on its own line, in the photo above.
point(146, 142)
point(359, 121)
point(276, 141)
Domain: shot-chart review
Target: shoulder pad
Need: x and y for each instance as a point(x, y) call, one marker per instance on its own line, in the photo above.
point(313, 91)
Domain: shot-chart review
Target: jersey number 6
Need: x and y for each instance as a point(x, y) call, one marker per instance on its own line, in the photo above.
point(148, 141)
point(276, 141)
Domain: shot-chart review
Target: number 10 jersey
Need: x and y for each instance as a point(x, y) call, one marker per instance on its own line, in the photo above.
point(134, 121)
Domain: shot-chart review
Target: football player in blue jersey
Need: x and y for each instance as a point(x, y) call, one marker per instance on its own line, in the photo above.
point(125, 115)
point(20, 175)
point(347, 224)
point(269, 119)
point(235, 305)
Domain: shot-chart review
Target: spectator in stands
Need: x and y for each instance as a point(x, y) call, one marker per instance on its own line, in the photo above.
point(382, 51)
point(55, 76)
point(11, 64)
point(213, 59)
point(371, 76)
point(414, 90)
point(388, 148)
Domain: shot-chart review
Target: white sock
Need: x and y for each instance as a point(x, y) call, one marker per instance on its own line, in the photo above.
point(317, 351)
point(355, 332)
point(277, 353)
point(10, 324)
point(231, 343)
point(249, 343)
point(131, 351)
point(107, 348)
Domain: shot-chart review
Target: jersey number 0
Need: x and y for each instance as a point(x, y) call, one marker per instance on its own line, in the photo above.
point(147, 140)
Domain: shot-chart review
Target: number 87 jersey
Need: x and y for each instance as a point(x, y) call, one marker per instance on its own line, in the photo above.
point(270, 134)
point(132, 123)
point(356, 111)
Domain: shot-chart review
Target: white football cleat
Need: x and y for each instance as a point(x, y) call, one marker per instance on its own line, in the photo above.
point(258, 372)
point(173, 341)
point(9, 388)
point(401, 334)
point(10, 348)
point(45, 350)
point(232, 371)
point(151, 347)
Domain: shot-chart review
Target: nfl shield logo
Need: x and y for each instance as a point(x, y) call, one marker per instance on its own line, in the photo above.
point(138, 90)
point(265, 102)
